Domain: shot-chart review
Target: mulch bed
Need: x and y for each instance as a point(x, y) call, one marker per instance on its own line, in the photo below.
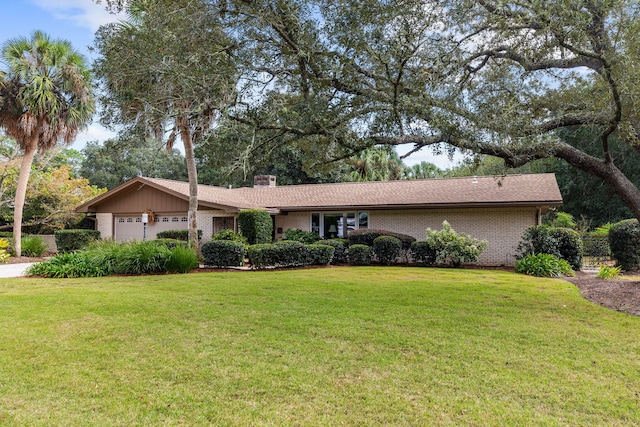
point(621, 295)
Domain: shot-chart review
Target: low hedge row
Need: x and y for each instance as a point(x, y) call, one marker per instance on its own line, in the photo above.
point(73, 240)
point(223, 253)
point(177, 235)
point(366, 236)
point(288, 253)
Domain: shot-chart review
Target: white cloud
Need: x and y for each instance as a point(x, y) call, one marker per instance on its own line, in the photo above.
point(83, 13)
point(94, 132)
point(426, 155)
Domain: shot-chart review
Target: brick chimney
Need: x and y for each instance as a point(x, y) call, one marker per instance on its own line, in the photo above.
point(263, 181)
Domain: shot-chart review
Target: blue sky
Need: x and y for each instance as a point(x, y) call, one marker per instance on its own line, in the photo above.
point(77, 21)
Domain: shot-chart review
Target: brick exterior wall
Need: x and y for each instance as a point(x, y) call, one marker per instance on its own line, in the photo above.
point(104, 224)
point(205, 221)
point(501, 227)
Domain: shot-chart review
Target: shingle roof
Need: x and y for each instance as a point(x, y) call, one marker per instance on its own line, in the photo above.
point(522, 190)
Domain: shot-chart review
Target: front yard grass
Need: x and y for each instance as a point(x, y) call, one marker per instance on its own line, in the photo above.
point(331, 346)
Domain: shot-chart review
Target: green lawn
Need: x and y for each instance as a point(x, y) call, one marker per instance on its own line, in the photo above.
point(335, 346)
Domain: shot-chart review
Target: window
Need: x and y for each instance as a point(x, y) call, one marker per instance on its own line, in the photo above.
point(120, 219)
point(138, 219)
point(129, 219)
point(165, 219)
point(338, 224)
point(183, 219)
point(175, 219)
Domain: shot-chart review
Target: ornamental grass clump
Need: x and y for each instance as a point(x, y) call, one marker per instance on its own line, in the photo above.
point(608, 273)
point(33, 246)
point(453, 249)
point(544, 265)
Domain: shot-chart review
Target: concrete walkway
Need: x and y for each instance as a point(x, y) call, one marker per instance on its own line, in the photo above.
point(14, 270)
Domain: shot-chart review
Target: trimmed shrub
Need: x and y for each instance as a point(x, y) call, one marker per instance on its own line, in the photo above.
point(302, 236)
point(33, 246)
point(359, 254)
point(73, 240)
point(290, 253)
point(255, 225)
point(624, 239)
point(229, 235)
point(563, 243)
point(544, 265)
point(182, 234)
point(454, 249)
point(223, 253)
point(182, 260)
point(387, 249)
point(423, 253)
point(321, 254)
point(341, 247)
point(261, 255)
point(366, 236)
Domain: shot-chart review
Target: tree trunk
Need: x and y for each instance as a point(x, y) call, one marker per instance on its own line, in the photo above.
point(185, 135)
point(606, 171)
point(21, 193)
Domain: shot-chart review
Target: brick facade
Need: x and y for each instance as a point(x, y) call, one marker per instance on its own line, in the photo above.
point(502, 228)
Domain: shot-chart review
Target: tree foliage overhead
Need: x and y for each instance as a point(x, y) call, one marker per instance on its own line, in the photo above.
point(115, 162)
point(489, 77)
point(166, 73)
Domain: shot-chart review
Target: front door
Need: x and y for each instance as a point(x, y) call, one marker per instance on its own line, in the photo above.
point(223, 223)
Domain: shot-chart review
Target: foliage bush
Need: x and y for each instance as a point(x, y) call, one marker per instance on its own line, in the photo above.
point(68, 265)
point(302, 236)
point(4, 250)
point(387, 249)
point(563, 243)
point(320, 253)
point(223, 253)
point(608, 273)
point(33, 246)
point(73, 240)
point(106, 257)
point(596, 245)
point(288, 253)
point(360, 254)
point(366, 236)
point(453, 249)
point(624, 240)
point(543, 265)
point(182, 234)
point(256, 226)
point(181, 260)
point(171, 243)
point(229, 235)
point(341, 247)
point(423, 253)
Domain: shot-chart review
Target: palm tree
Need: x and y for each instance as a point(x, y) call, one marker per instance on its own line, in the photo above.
point(45, 97)
point(377, 163)
point(422, 170)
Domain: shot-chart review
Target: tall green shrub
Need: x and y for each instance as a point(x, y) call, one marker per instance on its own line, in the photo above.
point(73, 240)
point(256, 226)
point(423, 253)
point(360, 254)
point(341, 247)
point(454, 249)
point(624, 240)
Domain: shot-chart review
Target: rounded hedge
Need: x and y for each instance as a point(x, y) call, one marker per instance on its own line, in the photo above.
point(387, 249)
point(366, 236)
point(423, 253)
point(624, 240)
point(360, 254)
point(341, 247)
point(223, 253)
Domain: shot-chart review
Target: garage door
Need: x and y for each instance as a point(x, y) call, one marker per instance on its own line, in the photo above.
point(132, 228)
